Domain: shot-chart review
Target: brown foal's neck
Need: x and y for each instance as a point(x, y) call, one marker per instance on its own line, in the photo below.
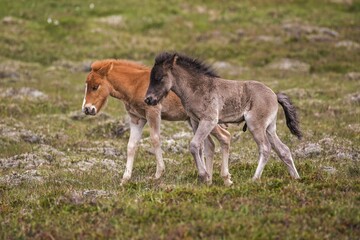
point(126, 78)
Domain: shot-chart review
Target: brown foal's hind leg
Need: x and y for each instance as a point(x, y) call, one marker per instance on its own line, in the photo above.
point(224, 138)
point(282, 150)
point(209, 151)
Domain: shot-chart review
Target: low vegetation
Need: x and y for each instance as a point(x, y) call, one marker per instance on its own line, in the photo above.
point(60, 171)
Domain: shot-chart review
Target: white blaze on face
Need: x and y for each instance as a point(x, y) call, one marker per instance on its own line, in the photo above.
point(83, 105)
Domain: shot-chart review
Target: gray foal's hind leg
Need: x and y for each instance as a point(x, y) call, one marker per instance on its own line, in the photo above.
point(282, 150)
point(264, 149)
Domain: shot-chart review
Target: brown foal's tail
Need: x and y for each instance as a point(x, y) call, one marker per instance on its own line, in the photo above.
point(292, 120)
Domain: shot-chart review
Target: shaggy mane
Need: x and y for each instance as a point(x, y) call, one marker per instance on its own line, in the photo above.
point(186, 62)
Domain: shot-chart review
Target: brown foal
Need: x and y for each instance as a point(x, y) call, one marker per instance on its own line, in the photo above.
point(128, 82)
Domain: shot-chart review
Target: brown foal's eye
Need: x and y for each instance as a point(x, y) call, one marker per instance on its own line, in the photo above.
point(94, 88)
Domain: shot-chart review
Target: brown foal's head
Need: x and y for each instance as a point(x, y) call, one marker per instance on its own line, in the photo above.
point(97, 88)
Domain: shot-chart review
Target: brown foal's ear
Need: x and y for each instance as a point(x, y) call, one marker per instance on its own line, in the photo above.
point(102, 68)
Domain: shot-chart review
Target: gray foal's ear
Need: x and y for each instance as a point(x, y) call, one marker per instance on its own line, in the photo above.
point(175, 57)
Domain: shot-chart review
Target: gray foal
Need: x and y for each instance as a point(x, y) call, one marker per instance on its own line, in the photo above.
point(209, 100)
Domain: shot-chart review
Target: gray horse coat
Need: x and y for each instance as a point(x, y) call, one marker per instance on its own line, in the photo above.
point(209, 100)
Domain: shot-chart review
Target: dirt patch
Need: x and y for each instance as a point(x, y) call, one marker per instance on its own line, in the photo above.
point(42, 155)
point(347, 44)
point(311, 33)
point(353, 76)
point(287, 64)
point(335, 149)
point(109, 129)
point(80, 197)
point(16, 134)
point(353, 98)
point(71, 66)
point(229, 68)
point(113, 20)
point(15, 178)
point(24, 93)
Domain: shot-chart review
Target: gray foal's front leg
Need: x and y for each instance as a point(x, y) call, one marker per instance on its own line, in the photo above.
point(154, 120)
point(194, 125)
point(136, 127)
point(202, 132)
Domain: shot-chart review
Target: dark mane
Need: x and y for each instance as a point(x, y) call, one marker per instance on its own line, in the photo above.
point(186, 62)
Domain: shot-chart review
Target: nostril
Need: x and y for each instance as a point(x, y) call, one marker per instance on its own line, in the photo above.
point(148, 100)
point(86, 110)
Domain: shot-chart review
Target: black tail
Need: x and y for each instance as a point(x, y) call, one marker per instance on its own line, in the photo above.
point(292, 120)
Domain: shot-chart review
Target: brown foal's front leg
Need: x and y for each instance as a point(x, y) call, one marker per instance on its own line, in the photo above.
point(224, 138)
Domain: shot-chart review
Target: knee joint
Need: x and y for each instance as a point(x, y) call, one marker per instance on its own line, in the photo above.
point(155, 140)
point(265, 151)
point(194, 147)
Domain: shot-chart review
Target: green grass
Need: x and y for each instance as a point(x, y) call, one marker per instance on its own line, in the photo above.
point(321, 205)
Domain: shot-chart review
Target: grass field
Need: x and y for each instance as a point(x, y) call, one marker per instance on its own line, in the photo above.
point(60, 171)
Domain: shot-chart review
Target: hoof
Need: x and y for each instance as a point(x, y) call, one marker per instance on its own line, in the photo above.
point(255, 179)
point(296, 177)
point(204, 179)
point(228, 182)
point(208, 182)
point(157, 176)
point(123, 181)
point(153, 178)
point(159, 173)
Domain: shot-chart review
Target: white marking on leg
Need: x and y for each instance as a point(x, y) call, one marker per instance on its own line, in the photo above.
point(135, 136)
point(83, 105)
